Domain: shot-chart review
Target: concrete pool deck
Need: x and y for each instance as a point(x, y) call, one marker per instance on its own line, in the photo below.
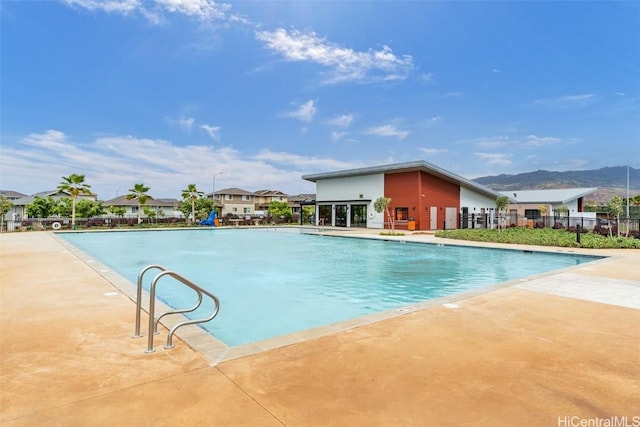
point(553, 350)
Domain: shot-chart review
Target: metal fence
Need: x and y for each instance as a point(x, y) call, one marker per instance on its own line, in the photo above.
point(597, 224)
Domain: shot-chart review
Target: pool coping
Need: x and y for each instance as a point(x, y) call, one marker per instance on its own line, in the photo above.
point(216, 351)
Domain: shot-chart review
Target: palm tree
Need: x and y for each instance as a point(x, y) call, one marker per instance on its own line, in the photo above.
point(191, 193)
point(138, 192)
point(74, 185)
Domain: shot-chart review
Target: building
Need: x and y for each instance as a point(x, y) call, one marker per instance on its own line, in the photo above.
point(529, 205)
point(162, 207)
point(263, 198)
point(423, 196)
point(18, 211)
point(235, 201)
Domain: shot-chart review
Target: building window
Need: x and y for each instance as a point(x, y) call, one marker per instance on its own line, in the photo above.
point(246, 198)
point(234, 209)
point(246, 210)
point(532, 213)
point(228, 196)
point(402, 214)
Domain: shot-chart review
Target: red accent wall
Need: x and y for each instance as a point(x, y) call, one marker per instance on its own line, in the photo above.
point(406, 190)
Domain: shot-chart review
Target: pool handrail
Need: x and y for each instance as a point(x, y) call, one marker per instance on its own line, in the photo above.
point(153, 322)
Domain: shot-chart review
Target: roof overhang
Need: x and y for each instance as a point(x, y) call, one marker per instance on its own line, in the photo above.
point(419, 165)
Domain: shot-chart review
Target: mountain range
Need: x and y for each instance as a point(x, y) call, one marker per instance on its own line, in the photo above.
point(610, 181)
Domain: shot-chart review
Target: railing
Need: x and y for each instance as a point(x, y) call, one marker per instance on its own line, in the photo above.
point(153, 322)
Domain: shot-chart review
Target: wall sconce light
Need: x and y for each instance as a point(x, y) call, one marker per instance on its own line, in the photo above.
point(361, 196)
point(414, 208)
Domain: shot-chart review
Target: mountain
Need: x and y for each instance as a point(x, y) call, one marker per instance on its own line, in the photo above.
point(610, 181)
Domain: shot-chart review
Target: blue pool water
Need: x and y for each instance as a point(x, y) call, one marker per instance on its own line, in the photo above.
point(273, 283)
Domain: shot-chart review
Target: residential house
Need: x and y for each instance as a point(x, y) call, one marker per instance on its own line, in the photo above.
point(300, 201)
point(423, 197)
point(12, 196)
point(19, 210)
point(235, 201)
point(263, 198)
point(163, 207)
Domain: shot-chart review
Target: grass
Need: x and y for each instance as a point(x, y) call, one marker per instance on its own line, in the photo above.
point(542, 237)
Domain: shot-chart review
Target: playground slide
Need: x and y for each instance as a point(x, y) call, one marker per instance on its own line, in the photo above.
point(210, 220)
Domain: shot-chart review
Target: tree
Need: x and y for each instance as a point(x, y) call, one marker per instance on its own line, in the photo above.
point(501, 204)
point(89, 208)
point(279, 209)
point(203, 206)
point(5, 206)
point(41, 207)
point(615, 207)
point(74, 185)
point(138, 192)
point(381, 205)
point(192, 194)
point(117, 210)
point(543, 213)
point(150, 213)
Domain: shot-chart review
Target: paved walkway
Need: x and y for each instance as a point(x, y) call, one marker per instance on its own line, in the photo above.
point(546, 352)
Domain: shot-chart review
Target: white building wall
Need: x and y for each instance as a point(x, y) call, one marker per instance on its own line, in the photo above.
point(352, 189)
point(471, 199)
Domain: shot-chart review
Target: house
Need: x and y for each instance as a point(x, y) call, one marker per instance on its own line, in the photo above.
point(300, 201)
point(263, 198)
point(163, 207)
point(235, 201)
point(423, 197)
point(19, 210)
point(528, 205)
point(11, 196)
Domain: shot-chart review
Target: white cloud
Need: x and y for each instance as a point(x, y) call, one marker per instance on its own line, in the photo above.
point(304, 113)
point(337, 136)
point(344, 64)
point(109, 6)
point(433, 151)
point(212, 131)
point(539, 141)
point(310, 163)
point(500, 159)
point(387, 130)
point(568, 101)
point(112, 164)
point(491, 142)
point(343, 121)
point(154, 10)
point(434, 120)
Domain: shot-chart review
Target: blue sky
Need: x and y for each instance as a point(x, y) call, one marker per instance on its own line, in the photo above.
point(172, 92)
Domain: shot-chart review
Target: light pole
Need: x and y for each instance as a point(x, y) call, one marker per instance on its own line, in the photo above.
point(213, 188)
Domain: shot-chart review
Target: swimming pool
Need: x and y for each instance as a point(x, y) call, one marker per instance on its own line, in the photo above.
point(273, 282)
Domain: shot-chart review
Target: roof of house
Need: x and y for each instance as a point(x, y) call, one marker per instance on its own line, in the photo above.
point(419, 165)
point(308, 197)
point(10, 194)
point(23, 201)
point(560, 195)
point(270, 193)
point(235, 191)
point(123, 201)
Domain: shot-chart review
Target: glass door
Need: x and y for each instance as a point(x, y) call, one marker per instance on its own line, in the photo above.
point(341, 215)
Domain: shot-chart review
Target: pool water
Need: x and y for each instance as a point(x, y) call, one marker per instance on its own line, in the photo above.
point(273, 282)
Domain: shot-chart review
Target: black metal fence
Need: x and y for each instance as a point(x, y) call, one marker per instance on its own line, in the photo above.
point(604, 226)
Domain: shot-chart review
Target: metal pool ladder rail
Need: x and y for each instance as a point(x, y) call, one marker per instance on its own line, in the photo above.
point(153, 322)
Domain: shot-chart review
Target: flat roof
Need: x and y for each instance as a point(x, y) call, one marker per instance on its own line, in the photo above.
point(560, 195)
